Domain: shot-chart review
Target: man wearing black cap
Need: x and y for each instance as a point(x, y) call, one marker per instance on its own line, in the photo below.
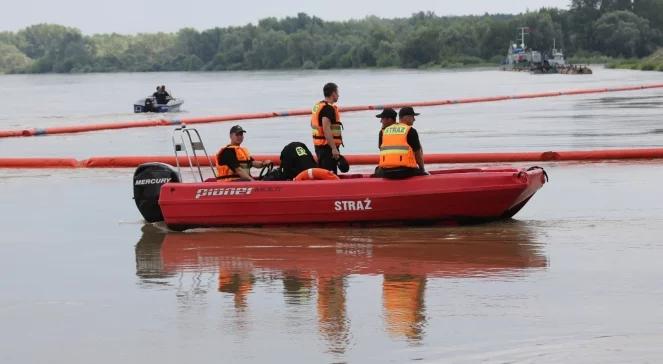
point(234, 162)
point(401, 154)
point(387, 118)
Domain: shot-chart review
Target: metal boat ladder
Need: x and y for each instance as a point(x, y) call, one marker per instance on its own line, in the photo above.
point(188, 141)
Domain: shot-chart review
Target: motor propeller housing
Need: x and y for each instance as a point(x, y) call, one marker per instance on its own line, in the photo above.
point(148, 179)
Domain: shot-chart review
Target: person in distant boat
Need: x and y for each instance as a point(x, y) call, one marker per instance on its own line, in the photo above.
point(326, 128)
point(161, 95)
point(234, 162)
point(154, 95)
point(401, 154)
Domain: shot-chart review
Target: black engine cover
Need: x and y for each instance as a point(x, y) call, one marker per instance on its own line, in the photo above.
point(148, 179)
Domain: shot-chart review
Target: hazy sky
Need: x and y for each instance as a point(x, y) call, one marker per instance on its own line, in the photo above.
point(133, 16)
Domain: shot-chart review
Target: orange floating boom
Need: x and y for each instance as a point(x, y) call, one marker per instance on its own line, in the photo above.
point(38, 163)
point(302, 112)
point(355, 159)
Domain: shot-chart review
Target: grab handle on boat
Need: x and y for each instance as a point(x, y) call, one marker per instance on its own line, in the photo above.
point(545, 174)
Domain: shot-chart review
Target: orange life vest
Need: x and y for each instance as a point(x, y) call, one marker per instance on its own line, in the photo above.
point(316, 126)
point(395, 152)
point(315, 174)
point(224, 172)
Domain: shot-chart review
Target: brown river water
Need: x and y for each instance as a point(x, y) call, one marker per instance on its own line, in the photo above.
point(574, 277)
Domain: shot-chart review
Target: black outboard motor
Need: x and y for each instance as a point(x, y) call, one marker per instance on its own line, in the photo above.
point(148, 179)
point(149, 105)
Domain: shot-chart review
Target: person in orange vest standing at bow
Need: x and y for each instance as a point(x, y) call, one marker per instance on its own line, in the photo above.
point(326, 129)
point(234, 162)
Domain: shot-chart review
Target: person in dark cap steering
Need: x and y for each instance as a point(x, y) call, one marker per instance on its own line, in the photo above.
point(162, 96)
point(234, 162)
point(401, 154)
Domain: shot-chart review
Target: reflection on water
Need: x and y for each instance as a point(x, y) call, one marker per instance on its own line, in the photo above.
point(313, 266)
point(239, 283)
point(333, 319)
point(403, 300)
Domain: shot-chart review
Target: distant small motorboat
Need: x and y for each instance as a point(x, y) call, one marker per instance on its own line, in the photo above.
point(149, 104)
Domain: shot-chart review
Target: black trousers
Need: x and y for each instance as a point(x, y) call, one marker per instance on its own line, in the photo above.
point(397, 173)
point(325, 158)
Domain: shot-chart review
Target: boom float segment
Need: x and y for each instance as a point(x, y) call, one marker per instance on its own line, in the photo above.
point(353, 159)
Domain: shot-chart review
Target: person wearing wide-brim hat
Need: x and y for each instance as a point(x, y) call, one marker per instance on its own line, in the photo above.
point(401, 154)
point(234, 162)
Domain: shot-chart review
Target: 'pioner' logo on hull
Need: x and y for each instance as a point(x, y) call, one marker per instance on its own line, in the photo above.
point(230, 191)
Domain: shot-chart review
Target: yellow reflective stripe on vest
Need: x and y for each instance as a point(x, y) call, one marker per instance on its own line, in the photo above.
point(394, 150)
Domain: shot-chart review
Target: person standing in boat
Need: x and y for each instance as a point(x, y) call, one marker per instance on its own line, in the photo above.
point(401, 154)
point(162, 96)
point(234, 162)
point(326, 129)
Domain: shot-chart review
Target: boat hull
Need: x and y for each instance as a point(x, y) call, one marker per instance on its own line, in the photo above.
point(171, 106)
point(451, 196)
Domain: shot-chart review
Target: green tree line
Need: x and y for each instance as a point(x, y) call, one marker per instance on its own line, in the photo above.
point(614, 28)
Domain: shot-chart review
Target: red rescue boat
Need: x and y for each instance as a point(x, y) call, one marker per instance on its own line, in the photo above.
point(446, 196)
point(453, 196)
